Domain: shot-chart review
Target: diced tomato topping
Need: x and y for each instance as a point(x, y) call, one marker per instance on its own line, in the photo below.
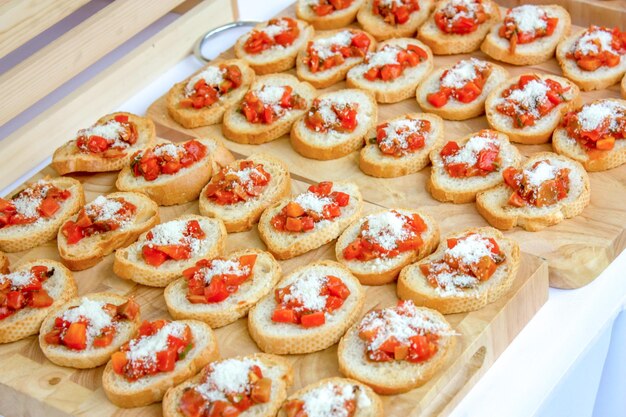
point(50, 199)
point(165, 159)
point(395, 13)
point(357, 49)
point(591, 58)
point(24, 294)
point(88, 222)
point(486, 158)
point(515, 35)
point(466, 93)
point(205, 289)
point(259, 41)
point(606, 132)
point(461, 18)
point(526, 192)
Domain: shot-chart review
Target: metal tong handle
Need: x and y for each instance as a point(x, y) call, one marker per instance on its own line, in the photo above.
point(197, 49)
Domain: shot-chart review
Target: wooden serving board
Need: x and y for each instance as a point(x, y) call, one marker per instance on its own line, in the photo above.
point(30, 385)
point(577, 250)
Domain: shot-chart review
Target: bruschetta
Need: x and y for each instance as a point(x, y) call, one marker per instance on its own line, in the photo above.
point(459, 91)
point(84, 332)
point(328, 57)
point(461, 168)
point(202, 99)
point(594, 58)
point(310, 310)
point(105, 146)
point(458, 26)
point(396, 349)
point(335, 125)
point(328, 14)
point(528, 108)
point(254, 385)
point(4, 263)
point(547, 189)
point(272, 46)
point(268, 109)
point(163, 354)
point(470, 269)
point(161, 254)
point(376, 247)
point(294, 226)
point(528, 35)
point(29, 294)
point(594, 135)
point(219, 291)
point(240, 192)
point(103, 225)
point(33, 214)
point(400, 146)
point(333, 397)
point(392, 72)
point(386, 19)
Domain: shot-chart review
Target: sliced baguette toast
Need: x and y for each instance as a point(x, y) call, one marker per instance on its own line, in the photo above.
point(532, 53)
point(289, 338)
point(190, 118)
point(21, 237)
point(277, 58)
point(27, 321)
point(382, 30)
point(596, 160)
point(400, 88)
point(129, 262)
point(243, 215)
point(367, 403)
point(443, 187)
point(90, 250)
point(334, 20)
point(274, 367)
point(286, 245)
point(442, 43)
point(453, 109)
point(383, 270)
point(374, 162)
point(541, 131)
point(493, 204)
point(326, 78)
point(265, 274)
point(237, 128)
point(333, 144)
point(151, 389)
point(413, 285)
point(69, 158)
point(4, 263)
point(90, 357)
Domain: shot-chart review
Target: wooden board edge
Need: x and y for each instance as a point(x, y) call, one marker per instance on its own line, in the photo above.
point(23, 404)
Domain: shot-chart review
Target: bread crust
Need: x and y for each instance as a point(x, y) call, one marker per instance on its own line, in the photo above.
point(4, 264)
point(191, 118)
point(381, 30)
point(623, 86)
point(335, 20)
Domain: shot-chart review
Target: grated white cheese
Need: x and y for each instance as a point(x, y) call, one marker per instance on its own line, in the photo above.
point(544, 171)
point(457, 9)
point(92, 312)
point(327, 107)
point(591, 116)
point(145, 348)
point(230, 376)
point(270, 94)
point(452, 283)
point(112, 131)
point(528, 98)
point(17, 279)
point(104, 209)
point(174, 233)
point(328, 400)
point(386, 229)
point(312, 202)
point(168, 149)
point(398, 131)
point(529, 18)
point(324, 46)
point(277, 28)
point(212, 75)
point(462, 72)
point(305, 292)
point(223, 267)
point(470, 249)
point(588, 42)
point(468, 153)
point(28, 201)
point(387, 55)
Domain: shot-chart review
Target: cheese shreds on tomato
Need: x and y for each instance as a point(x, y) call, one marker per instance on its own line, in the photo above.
point(588, 42)
point(213, 76)
point(17, 279)
point(92, 311)
point(387, 55)
point(323, 46)
point(145, 348)
point(329, 400)
point(312, 202)
point(305, 291)
point(223, 267)
point(274, 29)
point(471, 249)
point(104, 209)
point(464, 9)
point(529, 18)
point(463, 72)
point(174, 233)
point(27, 204)
point(592, 116)
point(386, 228)
point(168, 149)
point(228, 376)
point(406, 127)
point(468, 153)
point(541, 173)
point(528, 98)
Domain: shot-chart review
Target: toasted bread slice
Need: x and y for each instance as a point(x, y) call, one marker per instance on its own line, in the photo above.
point(532, 53)
point(129, 262)
point(4, 264)
point(289, 338)
point(151, 389)
point(273, 367)
point(265, 274)
point(21, 237)
point(90, 250)
point(413, 285)
point(326, 78)
point(541, 131)
point(400, 88)
point(334, 20)
point(277, 58)
point(374, 162)
point(623, 86)
point(598, 79)
point(382, 30)
point(27, 321)
point(367, 403)
point(442, 43)
point(394, 377)
point(236, 126)
point(444, 187)
point(454, 109)
point(596, 160)
point(383, 270)
point(69, 158)
point(333, 144)
point(493, 203)
point(243, 215)
point(90, 357)
point(190, 118)
point(286, 245)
